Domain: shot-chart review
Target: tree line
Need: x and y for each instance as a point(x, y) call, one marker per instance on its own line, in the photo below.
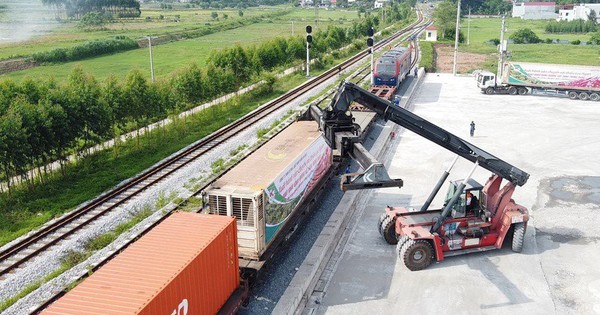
point(43, 121)
point(78, 8)
point(575, 26)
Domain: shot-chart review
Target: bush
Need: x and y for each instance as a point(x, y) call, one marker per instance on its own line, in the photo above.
point(525, 36)
point(87, 50)
point(595, 39)
point(93, 20)
point(548, 40)
point(495, 41)
point(427, 54)
point(576, 42)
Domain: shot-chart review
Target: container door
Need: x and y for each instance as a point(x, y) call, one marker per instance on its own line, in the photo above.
point(260, 221)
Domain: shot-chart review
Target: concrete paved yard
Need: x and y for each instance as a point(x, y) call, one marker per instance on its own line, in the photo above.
point(557, 141)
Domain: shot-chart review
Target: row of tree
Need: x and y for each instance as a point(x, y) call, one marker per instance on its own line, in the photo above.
point(78, 8)
point(575, 26)
point(42, 122)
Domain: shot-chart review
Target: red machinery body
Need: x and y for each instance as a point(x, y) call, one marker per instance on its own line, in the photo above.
point(466, 234)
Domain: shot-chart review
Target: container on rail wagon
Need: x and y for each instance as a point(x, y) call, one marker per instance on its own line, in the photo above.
point(265, 189)
point(187, 264)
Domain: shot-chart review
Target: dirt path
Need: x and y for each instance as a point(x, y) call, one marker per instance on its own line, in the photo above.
point(467, 62)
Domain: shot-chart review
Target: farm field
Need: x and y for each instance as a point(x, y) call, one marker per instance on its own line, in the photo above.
point(485, 29)
point(172, 56)
point(47, 33)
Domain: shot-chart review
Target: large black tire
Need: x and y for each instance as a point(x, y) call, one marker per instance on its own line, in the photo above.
point(380, 221)
point(388, 230)
point(512, 90)
point(401, 241)
point(594, 97)
point(583, 96)
point(518, 237)
point(489, 91)
point(522, 91)
point(417, 255)
point(573, 95)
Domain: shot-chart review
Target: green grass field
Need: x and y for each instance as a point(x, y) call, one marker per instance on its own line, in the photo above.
point(66, 34)
point(175, 55)
point(485, 29)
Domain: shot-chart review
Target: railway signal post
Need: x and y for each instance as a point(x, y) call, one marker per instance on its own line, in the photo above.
point(370, 33)
point(308, 41)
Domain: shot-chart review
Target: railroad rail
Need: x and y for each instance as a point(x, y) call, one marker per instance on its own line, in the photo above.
point(19, 253)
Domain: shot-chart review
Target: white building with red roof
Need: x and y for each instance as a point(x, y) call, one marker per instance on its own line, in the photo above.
point(431, 33)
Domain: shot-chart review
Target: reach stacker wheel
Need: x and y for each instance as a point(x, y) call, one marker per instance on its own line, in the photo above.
point(401, 241)
point(380, 221)
point(417, 255)
point(518, 237)
point(388, 230)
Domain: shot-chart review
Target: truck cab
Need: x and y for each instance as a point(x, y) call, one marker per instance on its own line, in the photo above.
point(486, 79)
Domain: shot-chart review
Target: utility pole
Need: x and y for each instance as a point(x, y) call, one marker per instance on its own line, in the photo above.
point(501, 50)
point(469, 29)
point(151, 61)
point(317, 13)
point(456, 39)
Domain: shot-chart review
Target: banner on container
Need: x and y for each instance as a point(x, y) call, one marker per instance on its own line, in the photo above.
point(554, 75)
point(292, 185)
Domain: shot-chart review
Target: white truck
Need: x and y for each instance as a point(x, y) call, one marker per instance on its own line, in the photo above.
point(575, 82)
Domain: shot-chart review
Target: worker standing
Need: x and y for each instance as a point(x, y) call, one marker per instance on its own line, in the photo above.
point(472, 128)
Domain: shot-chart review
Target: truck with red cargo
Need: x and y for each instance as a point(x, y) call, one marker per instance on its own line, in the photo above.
point(521, 78)
point(186, 265)
point(266, 191)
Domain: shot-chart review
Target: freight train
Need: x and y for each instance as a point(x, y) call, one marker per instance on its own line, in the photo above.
point(392, 67)
point(189, 256)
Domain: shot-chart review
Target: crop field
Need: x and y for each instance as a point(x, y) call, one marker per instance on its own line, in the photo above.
point(485, 29)
point(47, 34)
point(172, 56)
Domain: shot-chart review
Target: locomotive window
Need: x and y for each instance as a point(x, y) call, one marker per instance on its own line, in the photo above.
point(386, 68)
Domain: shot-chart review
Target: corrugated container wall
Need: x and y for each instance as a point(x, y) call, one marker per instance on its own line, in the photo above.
point(188, 264)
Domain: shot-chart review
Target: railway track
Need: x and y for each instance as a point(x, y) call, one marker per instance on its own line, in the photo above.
point(27, 248)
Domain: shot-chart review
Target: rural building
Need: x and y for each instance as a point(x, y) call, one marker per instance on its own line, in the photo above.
point(572, 12)
point(534, 10)
point(431, 33)
point(379, 4)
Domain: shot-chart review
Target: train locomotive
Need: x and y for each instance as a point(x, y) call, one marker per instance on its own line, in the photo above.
point(392, 67)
